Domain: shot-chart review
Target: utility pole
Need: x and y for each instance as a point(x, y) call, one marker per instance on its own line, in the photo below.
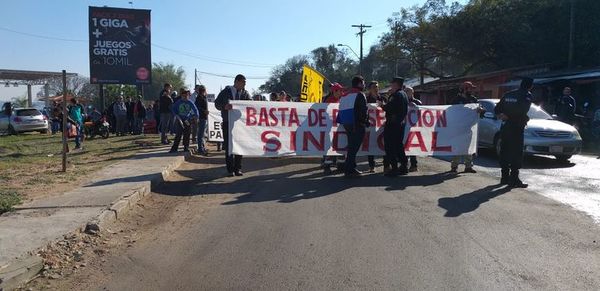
point(362, 31)
point(571, 33)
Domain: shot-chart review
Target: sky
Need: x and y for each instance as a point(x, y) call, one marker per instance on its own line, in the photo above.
point(226, 37)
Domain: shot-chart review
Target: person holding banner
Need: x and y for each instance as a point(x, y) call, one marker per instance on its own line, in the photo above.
point(393, 132)
point(465, 96)
point(412, 101)
point(512, 109)
point(372, 97)
point(336, 92)
point(235, 92)
point(353, 115)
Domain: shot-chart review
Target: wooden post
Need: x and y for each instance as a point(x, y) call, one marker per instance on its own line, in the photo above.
point(64, 123)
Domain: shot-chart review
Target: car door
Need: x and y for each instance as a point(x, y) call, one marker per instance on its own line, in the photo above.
point(3, 122)
point(488, 125)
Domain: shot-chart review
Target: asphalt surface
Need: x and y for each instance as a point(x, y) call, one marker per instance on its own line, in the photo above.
point(284, 226)
point(576, 183)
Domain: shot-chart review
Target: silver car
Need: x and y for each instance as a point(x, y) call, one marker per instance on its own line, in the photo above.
point(543, 134)
point(23, 120)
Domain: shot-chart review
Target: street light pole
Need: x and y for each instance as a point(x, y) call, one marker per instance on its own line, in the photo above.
point(359, 58)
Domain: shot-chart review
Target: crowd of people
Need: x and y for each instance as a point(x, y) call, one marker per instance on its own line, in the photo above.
point(512, 109)
point(185, 115)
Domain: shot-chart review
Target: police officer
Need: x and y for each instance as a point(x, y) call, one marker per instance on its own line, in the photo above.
point(512, 109)
point(393, 132)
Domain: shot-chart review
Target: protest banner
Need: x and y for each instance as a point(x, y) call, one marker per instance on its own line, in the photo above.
point(215, 132)
point(119, 46)
point(311, 89)
point(309, 129)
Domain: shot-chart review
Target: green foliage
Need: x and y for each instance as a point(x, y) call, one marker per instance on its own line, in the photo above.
point(333, 63)
point(19, 101)
point(286, 77)
point(112, 92)
point(447, 40)
point(8, 199)
point(161, 74)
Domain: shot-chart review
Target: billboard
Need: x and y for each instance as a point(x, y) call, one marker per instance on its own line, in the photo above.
point(119, 46)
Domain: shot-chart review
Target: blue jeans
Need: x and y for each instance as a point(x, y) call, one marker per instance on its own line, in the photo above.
point(55, 126)
point(355, 138)
point(201, 129)
point(79, 137)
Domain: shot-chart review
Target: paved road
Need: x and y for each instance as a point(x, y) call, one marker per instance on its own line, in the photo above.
point(283, 226)
point(576, 183)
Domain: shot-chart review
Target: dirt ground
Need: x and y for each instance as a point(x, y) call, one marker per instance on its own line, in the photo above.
point(79, 261)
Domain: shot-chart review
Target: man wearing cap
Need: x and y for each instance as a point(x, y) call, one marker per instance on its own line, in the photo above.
point(512, 109)
point(336, 91)
point(184, 111)
point(393, 131)
point(235, 92)
point(465, 96)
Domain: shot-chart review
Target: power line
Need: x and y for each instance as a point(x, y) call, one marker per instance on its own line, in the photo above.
point(188, 54)
point(216, 60)
point(42, 36)
point(231, 76)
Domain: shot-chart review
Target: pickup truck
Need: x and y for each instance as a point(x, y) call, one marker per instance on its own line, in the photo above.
point(18, 120)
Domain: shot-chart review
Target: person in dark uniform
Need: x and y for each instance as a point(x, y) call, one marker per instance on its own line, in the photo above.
point(393, 132)
point(235, 92)
point(512, 109)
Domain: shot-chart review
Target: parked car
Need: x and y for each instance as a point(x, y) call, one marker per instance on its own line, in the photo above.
point(543, 134)
point(20, 120)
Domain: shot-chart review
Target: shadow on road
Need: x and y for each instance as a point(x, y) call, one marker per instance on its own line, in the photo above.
point(275, 180)
point(456, 206)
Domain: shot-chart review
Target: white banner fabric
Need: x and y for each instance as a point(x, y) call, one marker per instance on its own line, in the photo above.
point(215, 132)
point(269, 129)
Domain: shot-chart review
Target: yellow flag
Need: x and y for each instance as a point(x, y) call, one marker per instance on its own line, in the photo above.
point(312, 85)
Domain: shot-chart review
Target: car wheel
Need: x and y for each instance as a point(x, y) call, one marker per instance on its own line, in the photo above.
point(11, 130)
point(563, 159)
point(45, 131)
point(105, 134)
point(497, 145)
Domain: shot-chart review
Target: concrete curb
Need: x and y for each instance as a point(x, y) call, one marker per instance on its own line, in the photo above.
point(24, 269)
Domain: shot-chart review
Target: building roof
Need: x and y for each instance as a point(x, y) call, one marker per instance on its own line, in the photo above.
point(29, 77)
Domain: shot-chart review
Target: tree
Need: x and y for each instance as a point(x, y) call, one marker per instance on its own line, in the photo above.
point(286, 77)
point(333, 63)
point(20, 101)
point(161, 74)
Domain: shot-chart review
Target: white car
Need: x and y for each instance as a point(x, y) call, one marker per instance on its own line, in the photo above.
point(543, 135)
point(23, 120)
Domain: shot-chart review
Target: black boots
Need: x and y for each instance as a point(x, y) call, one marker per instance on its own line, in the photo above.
point(514, 181)
point(505, 176)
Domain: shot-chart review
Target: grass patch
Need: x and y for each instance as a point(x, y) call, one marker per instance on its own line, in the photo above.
point(32, 163)
point(8, 199)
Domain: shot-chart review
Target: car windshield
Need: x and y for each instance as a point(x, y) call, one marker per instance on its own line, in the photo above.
point(535, 112)
point(28, 112)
